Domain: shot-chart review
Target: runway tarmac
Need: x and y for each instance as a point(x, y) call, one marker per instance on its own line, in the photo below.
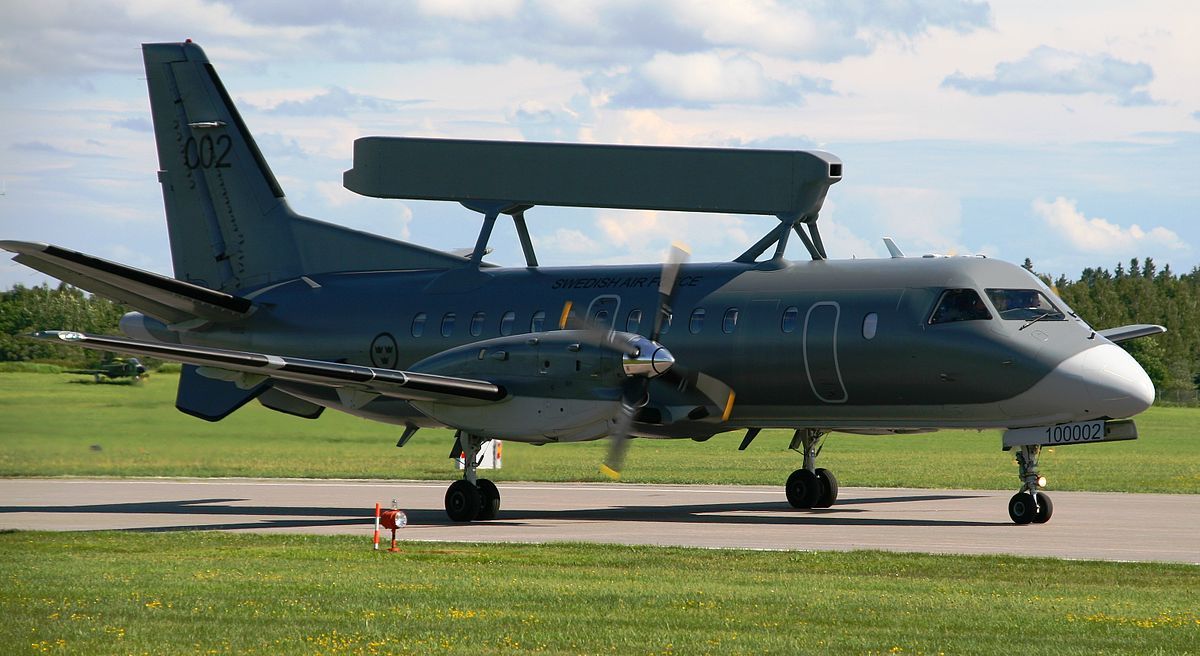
point(1086, 525)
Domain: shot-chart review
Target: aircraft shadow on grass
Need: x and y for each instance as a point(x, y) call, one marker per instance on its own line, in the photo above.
point(284, 517)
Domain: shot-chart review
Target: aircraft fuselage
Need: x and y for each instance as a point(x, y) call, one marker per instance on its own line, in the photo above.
point(847, 344)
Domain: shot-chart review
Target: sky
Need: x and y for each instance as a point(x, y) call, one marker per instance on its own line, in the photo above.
point(1067, 133)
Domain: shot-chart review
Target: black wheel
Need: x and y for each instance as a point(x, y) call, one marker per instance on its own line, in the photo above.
point(1021, 508)
point(1045, 509)
point(803, 489)
point(489, 504)
point(462, 501)
point(829, 489)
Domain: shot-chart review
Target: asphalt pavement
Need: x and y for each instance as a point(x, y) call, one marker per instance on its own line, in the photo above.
point(1086, 525)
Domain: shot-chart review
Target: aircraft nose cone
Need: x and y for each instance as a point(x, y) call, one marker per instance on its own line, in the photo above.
point(1118, 383)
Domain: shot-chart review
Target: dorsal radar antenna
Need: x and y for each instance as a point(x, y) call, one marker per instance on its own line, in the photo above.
point(509, 177)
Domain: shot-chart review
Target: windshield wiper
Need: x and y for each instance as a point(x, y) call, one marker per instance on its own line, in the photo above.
point(1038, 318)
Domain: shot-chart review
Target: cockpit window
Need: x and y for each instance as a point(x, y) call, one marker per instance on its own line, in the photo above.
point(1024, 305)
point(959, 305)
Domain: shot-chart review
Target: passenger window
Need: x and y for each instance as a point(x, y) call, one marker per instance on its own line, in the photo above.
point(633, 321)
point(729, 322)
point(696, 323)
point(790, 315)
point(666, 324)
point(870, 325)
point(506, 323)
point(601, 320)
point(418, 324)
point(1024, 304)
point(448, 324)
point(538, 322)
point(477, 324)
point(959, 305)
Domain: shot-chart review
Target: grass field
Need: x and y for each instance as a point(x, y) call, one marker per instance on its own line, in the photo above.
point(54, 424)
point(252, 594)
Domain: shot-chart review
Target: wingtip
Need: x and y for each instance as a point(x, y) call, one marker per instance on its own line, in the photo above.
point(15, 246)
point(64, 335)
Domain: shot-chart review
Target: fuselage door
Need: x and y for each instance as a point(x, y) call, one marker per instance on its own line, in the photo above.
point(820, 352)
point(603, 312)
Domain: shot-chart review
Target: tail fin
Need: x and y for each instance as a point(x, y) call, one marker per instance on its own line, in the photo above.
point(227, 217)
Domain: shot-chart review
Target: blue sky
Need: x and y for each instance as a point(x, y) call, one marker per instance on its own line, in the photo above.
point(1069, 134)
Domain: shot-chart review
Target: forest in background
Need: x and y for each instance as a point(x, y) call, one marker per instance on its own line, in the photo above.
point(1139, 292)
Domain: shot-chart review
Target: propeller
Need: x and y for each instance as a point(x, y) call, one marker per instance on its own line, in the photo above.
point(644, 359)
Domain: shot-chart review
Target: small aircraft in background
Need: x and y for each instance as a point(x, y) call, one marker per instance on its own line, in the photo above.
point(303, 315)
point(116, 368)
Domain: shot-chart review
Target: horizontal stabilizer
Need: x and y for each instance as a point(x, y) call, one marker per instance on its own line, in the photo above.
point(167, 299)
point(250, 369)
point(1132, 331)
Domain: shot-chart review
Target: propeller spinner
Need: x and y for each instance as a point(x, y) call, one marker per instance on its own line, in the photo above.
point(648, 359)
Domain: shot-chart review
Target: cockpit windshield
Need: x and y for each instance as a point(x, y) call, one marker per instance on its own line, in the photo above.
point(959, 305)
point(1024, 305)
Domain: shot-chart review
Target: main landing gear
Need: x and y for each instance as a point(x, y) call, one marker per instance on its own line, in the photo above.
point(1029, 505)
point(810, 487)
point(472, 498)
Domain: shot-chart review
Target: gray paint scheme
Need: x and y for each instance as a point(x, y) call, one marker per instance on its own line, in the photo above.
point(735, 181)
point(332, 311)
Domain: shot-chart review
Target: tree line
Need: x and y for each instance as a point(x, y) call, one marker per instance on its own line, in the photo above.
point(1138, 293)
point(24, 310)
point(1144, 293)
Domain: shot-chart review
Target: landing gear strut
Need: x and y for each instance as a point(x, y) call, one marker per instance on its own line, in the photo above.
point(472, 498)
point(810, 487)
point(1029, 505)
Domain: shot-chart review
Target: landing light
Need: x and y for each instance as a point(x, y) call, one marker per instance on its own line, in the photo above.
point(1041, 481)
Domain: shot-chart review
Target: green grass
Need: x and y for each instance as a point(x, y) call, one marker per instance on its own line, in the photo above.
point(185, 593)
point(29, 368)
point(60, 424)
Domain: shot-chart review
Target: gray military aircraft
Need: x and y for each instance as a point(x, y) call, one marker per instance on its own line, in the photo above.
point(304, 315)
point(117, 368)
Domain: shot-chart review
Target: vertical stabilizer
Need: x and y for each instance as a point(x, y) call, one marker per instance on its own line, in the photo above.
point(229, 223)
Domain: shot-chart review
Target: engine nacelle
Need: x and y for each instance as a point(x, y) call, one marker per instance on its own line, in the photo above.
point(562, 385)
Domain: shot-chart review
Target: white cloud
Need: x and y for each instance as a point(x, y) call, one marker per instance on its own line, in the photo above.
point(336, 101)
point(701, 80)
point(1099, 235)
point(643, 235)
point(567, 241)
point(539, 121)
point(1050, 70)
point(921, 220)
point(470, 10)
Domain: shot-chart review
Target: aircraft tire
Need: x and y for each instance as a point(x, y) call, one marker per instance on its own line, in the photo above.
point(463, 501)
point(1021, 508)
point(1045, 509)
point(489, 506)
point(803, 489)
point(829, 489)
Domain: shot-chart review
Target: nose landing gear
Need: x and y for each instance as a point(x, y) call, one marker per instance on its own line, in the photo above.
point(1030, 505)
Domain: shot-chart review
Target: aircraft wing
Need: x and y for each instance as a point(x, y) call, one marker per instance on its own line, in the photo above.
point(165, 298)
point(256, 367)
point(1132, 331)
